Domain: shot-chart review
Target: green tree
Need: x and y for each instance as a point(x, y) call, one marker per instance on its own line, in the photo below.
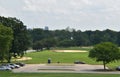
point(6, 37)
point(67, 43)
point(109, 36)
point(37, 34)
point(49, 42)
point(106, 52)
point(38, 45)
point(81, 38)
point(21, 39)
point(96, 37)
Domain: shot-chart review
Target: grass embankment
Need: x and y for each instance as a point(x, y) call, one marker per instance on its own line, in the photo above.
point(10, 74)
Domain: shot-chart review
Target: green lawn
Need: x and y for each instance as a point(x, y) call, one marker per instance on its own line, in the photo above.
point(10, 74)
point(62, 57)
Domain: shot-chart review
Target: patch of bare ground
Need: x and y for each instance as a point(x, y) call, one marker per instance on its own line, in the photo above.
point(23, 58)
point(69, 51)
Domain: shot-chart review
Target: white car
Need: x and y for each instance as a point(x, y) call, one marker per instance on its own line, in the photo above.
point(4, 68)
point(15, 65)
point(8, 65)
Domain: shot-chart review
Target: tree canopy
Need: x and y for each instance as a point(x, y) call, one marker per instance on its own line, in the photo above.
point(79, 38)
point(106, 52)
point(20, 35)
point(6, 37)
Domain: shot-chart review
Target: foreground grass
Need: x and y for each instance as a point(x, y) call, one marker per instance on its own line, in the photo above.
point(10, 74)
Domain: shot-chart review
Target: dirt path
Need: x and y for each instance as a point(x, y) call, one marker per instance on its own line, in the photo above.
point(77, 68)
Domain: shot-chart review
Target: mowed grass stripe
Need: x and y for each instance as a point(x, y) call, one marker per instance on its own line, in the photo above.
point(10, 74)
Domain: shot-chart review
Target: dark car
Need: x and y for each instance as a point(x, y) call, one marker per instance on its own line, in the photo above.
point(20, 64)
point(118, 68)
point(78, 62)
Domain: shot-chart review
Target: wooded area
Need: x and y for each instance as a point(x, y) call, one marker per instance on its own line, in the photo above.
point(66, 38)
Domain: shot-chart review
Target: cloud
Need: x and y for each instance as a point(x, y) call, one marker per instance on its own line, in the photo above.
point(4, 12)
point(76, 12)
point(79, 14)
point(70, 7)
point(55, 6)
point(39, 5)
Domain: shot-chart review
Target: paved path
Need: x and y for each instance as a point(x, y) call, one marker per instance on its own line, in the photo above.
point(77, 68)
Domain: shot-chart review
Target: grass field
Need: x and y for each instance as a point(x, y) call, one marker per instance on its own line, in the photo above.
point(10, 74)
point(62, 57)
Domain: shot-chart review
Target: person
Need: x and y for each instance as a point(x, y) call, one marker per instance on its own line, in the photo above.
point(49, 60)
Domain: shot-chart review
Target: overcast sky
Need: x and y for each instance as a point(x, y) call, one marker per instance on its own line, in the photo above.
point(59, 14)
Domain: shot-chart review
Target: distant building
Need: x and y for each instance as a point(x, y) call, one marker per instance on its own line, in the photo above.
point(46, 28)
point(71, 38)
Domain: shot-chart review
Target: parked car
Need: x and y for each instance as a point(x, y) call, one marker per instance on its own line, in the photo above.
point(4, 68)
point(8, 65)
point(15, 65)
point(78, 62)
point(118, 68)
point(20, 64)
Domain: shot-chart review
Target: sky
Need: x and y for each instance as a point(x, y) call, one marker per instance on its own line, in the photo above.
point(59, 14)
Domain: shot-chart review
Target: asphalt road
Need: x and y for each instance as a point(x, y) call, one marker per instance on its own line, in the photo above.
point(77, 68)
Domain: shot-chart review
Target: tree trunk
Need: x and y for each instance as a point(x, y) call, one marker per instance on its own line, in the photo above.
point(9, 58)
point(104, 65)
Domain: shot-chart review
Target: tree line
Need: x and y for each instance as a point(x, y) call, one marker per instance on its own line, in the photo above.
point(65, 38)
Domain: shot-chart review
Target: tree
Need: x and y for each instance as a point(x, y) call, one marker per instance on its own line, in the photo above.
point(109, 36)
point(81, 38)
point(37, 34)
point(96, 37)
point(67, 43)
point(6, 37)
point(49, 42)
point(21, 39)
point(38, 45)
point(106, 52)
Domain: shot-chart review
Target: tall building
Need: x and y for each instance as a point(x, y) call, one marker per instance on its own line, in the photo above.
point(46, 28)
